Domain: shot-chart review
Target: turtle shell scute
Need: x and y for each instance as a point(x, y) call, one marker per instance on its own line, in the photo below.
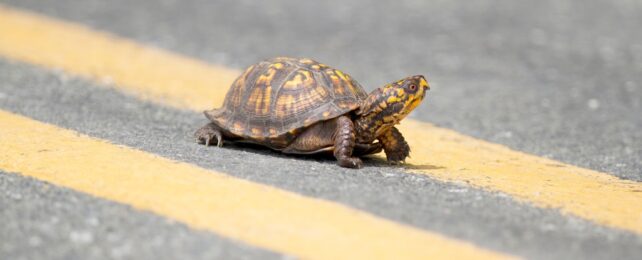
point(271, 101)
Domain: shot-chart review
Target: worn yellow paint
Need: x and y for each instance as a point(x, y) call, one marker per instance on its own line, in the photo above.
point(175, 80)
point(439, 153)
point(254, 213)
point(447, 155)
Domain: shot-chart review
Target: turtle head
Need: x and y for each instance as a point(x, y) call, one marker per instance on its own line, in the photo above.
point(401, 97)
point(388, 105)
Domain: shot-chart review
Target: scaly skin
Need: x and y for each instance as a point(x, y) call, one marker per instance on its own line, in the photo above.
point(386, 107)
point(394, 145)
point(344, 139)
point(325, 121)
point(207, 133)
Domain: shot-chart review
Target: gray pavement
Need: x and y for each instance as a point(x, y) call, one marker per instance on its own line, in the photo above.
point(561, 79)
point(491, 220)
point(42, 221)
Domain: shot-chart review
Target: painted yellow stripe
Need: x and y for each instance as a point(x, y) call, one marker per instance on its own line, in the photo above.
point(447, 155)
point(250, 212)
point(175, 80)
point(439, 153)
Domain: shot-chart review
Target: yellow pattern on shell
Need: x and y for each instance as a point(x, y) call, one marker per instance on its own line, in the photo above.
point(237, 89)
point(238, 127)
point(259, 100)
point(294, 82)
point(272, 131)
point(163, 77)
point(346, 80)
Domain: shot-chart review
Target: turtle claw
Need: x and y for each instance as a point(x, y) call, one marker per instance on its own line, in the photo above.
point(219, 140)
point(351, 162)
point(397, 157)
point(396, 163)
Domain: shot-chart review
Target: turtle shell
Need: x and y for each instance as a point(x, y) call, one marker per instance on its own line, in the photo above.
point(273, 100)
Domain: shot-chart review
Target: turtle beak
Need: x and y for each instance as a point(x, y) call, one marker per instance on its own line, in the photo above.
point(423, 83)
point(425, 87)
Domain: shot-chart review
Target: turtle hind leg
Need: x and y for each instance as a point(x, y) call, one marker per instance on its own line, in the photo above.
point(344, 142)
point(209, 134)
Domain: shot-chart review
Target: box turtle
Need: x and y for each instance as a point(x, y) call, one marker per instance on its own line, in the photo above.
point(300, 106)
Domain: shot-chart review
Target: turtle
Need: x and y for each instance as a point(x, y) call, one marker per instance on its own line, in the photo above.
point(301, 106)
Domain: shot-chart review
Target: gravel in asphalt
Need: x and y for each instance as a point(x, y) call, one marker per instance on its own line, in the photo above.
point(42, 221)
point(492, 220)
point(559, 79)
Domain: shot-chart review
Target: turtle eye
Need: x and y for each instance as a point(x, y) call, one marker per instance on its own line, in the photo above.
point(413, 87)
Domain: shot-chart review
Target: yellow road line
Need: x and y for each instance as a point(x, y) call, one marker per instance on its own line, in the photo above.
point(175, 80)
point(439, 153)
point(250, 212)
point(447, 155)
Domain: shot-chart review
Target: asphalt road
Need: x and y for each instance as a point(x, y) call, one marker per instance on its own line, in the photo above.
point(558, 79)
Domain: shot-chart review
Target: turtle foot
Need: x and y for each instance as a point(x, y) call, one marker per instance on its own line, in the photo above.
point(209, 134)
point(351, 162)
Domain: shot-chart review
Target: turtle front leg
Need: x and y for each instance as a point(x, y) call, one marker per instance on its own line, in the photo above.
point(344, 141)
point(394, 145)
point(209, 132)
